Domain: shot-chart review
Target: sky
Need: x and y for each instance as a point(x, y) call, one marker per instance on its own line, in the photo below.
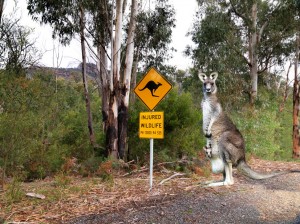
point(55, 55)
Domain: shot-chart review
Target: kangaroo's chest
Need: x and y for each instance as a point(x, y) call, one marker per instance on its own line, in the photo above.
point(206, 111)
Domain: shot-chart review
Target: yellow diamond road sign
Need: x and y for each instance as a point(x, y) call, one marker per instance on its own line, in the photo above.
point(152, 88)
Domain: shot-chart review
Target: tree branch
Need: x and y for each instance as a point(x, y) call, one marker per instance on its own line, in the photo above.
point(171, 177)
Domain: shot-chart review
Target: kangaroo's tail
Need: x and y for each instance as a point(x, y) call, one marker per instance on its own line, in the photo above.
point(142, 88)
point(245, 169)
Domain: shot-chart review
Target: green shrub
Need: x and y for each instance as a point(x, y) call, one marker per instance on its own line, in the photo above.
point(283, 135)
point(14, 191)
point(40, 126)
point(182, 136)
point(264, 127)
point(258, 128)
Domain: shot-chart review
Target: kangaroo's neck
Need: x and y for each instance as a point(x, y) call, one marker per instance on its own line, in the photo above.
point(210, 96)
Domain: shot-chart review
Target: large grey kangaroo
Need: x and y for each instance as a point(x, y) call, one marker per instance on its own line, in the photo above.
point(225, 144)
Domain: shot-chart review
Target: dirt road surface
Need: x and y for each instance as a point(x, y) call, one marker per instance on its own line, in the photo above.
point(272, 201)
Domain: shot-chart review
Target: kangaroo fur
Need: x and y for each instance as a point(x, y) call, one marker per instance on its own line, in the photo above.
point(225, 145)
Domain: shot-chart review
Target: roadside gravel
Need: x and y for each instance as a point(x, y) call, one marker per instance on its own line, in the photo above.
point(272, 201)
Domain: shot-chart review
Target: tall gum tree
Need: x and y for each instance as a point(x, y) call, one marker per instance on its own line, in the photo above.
point(296, 92)
point(258, 33)
point(117, 85)
point(84, 77)
point(296, 98)
point(125, 86)
point(1, 9)
point(103, 26)
point(67, 18)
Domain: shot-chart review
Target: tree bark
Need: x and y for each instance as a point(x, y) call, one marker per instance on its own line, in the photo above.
point(103, 89)
point(253, 54)
point(296, 149)
point(134, 75)
point(286, 89)
point(125, 88)
point(1, 10)
point(114, 90)
point(85, 83)
point(117, 41)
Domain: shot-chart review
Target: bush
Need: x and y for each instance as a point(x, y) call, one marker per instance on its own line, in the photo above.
point(258, 128)
point(182, 135)
point(264, 127)
point(40, 127)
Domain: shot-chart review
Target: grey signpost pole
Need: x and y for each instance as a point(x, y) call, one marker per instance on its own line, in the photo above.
point(151, 162)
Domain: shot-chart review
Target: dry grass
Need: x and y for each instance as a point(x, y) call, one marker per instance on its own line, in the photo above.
point(67, 197)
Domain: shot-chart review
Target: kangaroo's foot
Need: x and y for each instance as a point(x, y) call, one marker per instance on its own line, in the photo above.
point(217, 183)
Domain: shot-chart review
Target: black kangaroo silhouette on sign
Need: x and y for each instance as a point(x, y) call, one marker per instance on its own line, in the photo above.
point(152, 86)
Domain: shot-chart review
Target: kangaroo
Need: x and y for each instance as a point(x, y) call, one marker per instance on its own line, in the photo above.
point(152, 86)
point(225, 146)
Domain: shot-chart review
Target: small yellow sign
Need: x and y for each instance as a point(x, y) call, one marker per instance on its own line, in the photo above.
point(152, 88)
point(151, 125)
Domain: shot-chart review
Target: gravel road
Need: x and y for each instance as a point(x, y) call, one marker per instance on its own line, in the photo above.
point(271, 201)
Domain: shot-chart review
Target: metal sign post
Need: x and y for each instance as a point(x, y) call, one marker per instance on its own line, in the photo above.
point(151, 163)
point(151, 126)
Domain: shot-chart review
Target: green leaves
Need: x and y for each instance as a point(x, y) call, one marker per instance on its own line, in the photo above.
point(17, 51)
point(182, 129)
point(41, 127)
point(154, 35)
point(221, 34)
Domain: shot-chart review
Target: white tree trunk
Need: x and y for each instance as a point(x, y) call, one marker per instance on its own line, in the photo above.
point(129, 51)
point(253, 54)
point(114, 93)
point(85, 83)
point(125, 88)
point(1, 10)
point(117, 41)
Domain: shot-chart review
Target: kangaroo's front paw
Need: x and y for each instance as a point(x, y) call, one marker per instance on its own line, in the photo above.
point(207, 133)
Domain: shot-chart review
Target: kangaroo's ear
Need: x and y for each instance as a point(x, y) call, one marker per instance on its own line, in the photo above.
point(214, 76)
point(202, 76)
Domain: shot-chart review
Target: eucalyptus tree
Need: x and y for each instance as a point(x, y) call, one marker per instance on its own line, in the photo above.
point(153, 38)
point(100, 29)
point(296, 88)
point(1, 9)
point(218, 42)
point(67, 18)
point(17, 50)
point(104, 25)
point(120, 82)
point(256, 32)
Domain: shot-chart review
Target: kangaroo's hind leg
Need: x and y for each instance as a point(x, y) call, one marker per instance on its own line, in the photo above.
point(228, 178)
point(227, 173)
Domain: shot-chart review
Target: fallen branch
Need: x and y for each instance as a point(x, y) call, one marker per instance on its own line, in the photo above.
point(155, 166)
point(171, 177)
point(34, 195)
point(135, 171)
